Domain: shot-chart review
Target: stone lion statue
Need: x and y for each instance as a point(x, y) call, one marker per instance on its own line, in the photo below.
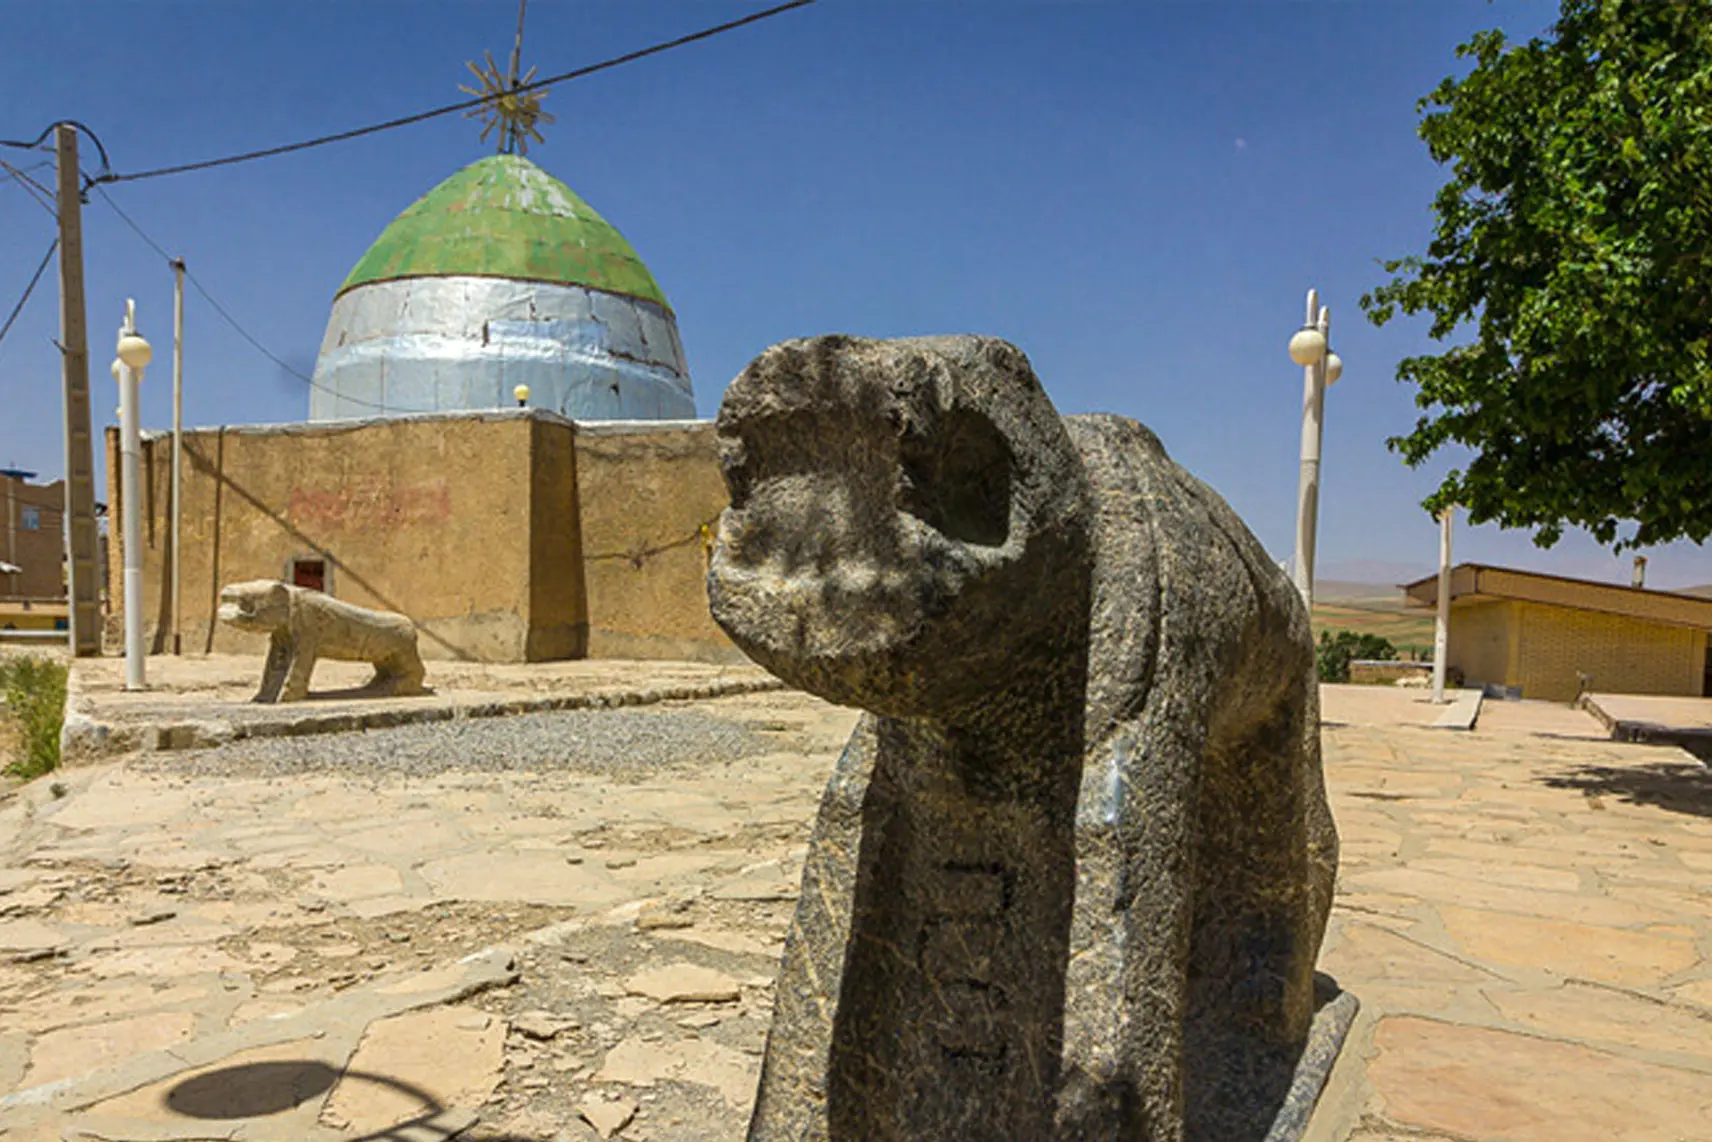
point(304, 625)
point(1069, 878)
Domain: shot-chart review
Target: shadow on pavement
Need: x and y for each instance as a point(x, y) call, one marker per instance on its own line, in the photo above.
point(1680, 787)
point(351, 693)
point(254, 1090)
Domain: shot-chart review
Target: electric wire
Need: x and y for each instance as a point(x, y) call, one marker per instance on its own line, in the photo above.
point(49, 129)
point(28, 290)
point(43, 196)
point(23, 173)
point(266, 352)
point(229, 319)
point(109, 176)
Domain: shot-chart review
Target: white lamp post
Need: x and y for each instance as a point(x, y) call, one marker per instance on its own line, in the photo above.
point(177, 449)
point(134, 355)
point(521, 393)
point(1310, 348)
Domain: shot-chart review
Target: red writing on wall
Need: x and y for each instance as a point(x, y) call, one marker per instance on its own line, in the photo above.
point(371, 504)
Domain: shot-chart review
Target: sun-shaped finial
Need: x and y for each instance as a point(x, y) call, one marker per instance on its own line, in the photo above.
point(515, 114)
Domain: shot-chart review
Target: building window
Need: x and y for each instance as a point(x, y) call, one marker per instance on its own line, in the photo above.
point(32, 520)
point(304, 571)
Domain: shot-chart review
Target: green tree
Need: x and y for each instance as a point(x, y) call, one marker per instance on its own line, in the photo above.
point(1575, 238)
point(1337, 651)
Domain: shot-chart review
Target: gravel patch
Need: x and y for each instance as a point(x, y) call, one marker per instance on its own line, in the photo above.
point(619, 744)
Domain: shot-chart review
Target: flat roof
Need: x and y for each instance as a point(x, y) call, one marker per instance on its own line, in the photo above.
point(1480, 582)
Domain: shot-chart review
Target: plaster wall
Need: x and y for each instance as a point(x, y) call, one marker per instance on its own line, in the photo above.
point(558, 607)
point(506, 536)
point(430, 517)
point(650, 495)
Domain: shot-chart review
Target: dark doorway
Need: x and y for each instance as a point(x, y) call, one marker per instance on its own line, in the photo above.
point(1706, 675)
point(310, 573)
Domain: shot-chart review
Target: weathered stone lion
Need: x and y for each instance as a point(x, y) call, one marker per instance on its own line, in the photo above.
point(1070, 876)
point(305, 625)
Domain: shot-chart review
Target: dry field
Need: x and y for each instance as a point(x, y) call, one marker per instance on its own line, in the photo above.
point(1371, 609)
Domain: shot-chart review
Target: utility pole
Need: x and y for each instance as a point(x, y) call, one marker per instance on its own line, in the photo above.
point(1441, 623)
point(177, 440)
point(82, 548)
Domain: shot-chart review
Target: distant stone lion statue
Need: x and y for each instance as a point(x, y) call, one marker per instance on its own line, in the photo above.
point(304, 625)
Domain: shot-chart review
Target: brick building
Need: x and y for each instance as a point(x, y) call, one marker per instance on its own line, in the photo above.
point(34, 537)
point(1551, 637)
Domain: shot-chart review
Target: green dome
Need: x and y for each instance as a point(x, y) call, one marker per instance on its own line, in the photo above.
point(505, 217)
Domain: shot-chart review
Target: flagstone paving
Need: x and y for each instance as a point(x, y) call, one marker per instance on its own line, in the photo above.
point(260, 942)
point(1524, 912)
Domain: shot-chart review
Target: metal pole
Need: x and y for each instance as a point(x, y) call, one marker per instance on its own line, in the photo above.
point(177, 444)
point(1308, 486)
point(1441, 626)
point(82, 548)
point(130, 475)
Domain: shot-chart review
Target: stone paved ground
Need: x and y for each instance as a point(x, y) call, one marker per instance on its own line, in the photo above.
point(1524, 912)
point(193, 907)
point(236, 944)
point(204, 700)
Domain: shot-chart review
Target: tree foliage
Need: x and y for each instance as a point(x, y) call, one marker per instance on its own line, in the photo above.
point(1575, 237)
point(1337, 651)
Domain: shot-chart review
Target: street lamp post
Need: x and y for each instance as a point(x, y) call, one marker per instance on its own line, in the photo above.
point(134, 354)
point(177, 449)
point(1310, 348)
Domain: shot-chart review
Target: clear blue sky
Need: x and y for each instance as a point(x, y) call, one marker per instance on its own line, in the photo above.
point(1138, 194)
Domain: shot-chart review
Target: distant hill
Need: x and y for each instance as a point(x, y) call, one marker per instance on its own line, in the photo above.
point(1346, 591)
point(1704, 590)
point(1372, 572)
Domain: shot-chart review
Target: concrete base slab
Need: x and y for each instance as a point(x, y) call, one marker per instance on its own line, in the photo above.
point(1326, 1040)
point(1463, 711)
point(1655, 720)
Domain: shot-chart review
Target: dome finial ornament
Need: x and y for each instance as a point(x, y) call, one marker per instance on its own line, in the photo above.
point(516, 114)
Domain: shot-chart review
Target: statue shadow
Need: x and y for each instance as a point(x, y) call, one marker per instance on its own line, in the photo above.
point(1242, 1092)
point(364, 693)
point(1677, 787)
point(257, 1090)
